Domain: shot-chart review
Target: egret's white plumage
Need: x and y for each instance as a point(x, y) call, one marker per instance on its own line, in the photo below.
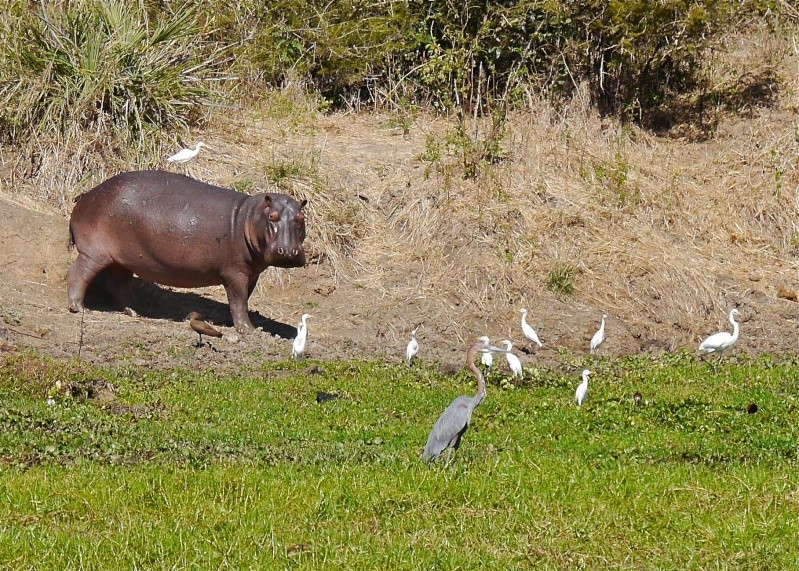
point(412, 349)
point(513, 361)
point(298, 347)
point(582, 389)
point(185, 155)
point(487, 359)
point(528, 331)
point(599, 336)
point(720, 342)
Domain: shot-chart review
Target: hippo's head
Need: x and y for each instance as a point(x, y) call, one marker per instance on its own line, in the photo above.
point(280, 231)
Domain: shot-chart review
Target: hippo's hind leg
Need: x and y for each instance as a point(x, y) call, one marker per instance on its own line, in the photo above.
point(119, 283)
point(81, 273)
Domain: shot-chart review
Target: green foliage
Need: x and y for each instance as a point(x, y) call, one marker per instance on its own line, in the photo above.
point(634, 54)
point(264, 476)
point(337, 45)
point(614, 177)
point(561, 279)
point(246, 185)
point(101, 66)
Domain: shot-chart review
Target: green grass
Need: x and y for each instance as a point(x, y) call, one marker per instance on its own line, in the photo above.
point(191, 470)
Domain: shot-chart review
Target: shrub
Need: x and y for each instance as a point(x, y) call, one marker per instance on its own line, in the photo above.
point(100, 66)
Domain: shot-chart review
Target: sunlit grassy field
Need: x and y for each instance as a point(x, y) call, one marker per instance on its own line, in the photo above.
point(181, 470)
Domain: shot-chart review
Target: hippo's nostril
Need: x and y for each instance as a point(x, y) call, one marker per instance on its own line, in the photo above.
point(295, 252)
point(280, 251)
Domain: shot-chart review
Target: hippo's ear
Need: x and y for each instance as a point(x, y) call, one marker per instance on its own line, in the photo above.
point(267, 201)
point(303, 203)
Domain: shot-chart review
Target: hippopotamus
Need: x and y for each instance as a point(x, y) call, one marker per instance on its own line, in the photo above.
point(176, 231)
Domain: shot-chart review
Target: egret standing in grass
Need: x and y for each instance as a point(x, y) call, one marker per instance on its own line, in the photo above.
point(720, 342)
point(298, 348)
point(453, 422)
point(412, 349)
point(582, 389)
point(513, 361)
point(487, 358)
point(599, 336)
point(528, 331)
point(185, 155)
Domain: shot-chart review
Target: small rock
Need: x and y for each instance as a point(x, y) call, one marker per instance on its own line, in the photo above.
point(785, 293)
point(322, 396)
point(754, 277)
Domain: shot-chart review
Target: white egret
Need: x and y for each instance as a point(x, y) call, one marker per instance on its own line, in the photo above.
point(185, 155)
point(599, 336)
point(513, 361)
point(298, 348)
point(582, 388)
point(412, 349)
point(720, 342)
point(528, 331)
point(487, 358)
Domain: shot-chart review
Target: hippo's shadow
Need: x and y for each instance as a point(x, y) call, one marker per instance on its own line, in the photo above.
point(157, 302)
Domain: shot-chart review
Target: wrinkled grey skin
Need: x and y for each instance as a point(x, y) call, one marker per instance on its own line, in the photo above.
point(176, 231)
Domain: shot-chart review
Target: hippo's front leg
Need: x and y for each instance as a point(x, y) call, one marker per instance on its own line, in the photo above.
point(236, 288)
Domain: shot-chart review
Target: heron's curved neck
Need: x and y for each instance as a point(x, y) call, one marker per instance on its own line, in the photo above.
point(481, 383)
point(602, 325)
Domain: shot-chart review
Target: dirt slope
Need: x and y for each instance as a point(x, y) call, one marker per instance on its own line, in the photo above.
point(663, 235)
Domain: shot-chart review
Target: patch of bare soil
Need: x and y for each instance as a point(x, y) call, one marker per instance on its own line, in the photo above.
point(663, 235)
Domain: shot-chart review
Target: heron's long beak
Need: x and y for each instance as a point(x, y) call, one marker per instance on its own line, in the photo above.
point(492, 349)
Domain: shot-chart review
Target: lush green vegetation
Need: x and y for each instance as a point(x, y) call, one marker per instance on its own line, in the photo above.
point(128, 68)
point(102, 68)
point(177, 469)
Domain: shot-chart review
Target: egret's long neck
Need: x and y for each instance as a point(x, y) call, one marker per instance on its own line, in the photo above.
point(734, 328)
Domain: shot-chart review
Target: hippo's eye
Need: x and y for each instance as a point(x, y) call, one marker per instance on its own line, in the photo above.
point(300, 218)
point(274, 216)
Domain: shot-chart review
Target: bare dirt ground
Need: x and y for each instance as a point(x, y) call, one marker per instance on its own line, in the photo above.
point(663, 234)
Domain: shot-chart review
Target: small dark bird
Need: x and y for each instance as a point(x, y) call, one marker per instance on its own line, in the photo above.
point(197, 323)
point(637, 398)
point(322, 396)
point(752, 408)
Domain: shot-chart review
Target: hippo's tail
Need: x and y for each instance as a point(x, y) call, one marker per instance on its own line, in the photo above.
point(71, 241)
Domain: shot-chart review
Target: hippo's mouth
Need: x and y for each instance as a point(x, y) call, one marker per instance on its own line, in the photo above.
point(288, 258)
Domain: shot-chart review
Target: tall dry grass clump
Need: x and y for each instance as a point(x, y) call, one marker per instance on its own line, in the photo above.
point(96, 84)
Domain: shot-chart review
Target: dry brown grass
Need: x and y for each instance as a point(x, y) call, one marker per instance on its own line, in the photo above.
point(665, 234)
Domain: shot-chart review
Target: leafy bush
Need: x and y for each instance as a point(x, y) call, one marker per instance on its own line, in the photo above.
point(634, 54)
point(100, 66)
